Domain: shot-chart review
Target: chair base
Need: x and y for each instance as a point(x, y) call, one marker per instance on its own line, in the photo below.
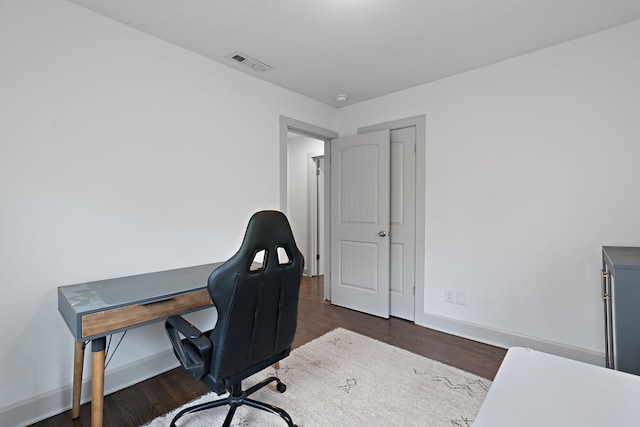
point(237, 397)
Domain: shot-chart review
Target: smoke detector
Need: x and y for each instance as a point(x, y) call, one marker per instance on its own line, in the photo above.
point(249, 62)
point(343, 97)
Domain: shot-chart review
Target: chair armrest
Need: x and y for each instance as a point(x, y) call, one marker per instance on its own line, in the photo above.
point(194, 351)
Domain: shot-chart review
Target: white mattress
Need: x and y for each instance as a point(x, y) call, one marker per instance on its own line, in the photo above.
point(534, 389)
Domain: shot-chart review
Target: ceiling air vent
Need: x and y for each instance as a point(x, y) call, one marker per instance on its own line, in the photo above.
point(249, 62)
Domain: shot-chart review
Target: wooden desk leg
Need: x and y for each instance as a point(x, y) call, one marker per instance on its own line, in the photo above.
point(78, 364)
point(97, 381)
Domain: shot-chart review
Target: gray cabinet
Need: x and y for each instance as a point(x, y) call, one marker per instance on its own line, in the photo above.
point(621, 297)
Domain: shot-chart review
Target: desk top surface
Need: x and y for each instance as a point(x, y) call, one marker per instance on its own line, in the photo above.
point(534, 389)
point(139, 289)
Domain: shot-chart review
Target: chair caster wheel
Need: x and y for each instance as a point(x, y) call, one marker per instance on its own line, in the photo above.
point(281, 387)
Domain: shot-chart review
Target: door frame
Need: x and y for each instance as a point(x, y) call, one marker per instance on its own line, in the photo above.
point(420, 123)
point(287, 124)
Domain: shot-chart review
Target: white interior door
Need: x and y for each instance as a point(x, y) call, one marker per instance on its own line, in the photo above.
point(360, 221)
point(403, 222)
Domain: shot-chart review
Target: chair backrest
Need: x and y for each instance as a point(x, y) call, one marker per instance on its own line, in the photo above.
point(256, 297)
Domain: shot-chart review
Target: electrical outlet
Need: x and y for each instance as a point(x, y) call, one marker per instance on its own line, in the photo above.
point(461, 298)
point(449, 296)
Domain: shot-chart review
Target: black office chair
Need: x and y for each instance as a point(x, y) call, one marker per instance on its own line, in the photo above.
point(257, 302)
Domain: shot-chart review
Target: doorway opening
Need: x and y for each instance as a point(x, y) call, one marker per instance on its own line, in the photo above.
point(302, 148)
point(304, 156)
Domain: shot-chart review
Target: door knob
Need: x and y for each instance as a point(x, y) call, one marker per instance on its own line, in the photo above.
point(382, 233)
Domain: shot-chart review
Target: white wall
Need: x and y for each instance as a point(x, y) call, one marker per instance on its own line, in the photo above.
point(298, 148)
point(119, 154)
point(531, 166)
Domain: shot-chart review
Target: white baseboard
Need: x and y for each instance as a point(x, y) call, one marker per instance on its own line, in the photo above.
point(506, 339)
point(54, 402)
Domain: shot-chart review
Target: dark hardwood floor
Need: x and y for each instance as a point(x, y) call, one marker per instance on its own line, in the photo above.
point(138, 404)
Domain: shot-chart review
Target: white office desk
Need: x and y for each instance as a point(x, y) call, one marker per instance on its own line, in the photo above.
point(534, 389)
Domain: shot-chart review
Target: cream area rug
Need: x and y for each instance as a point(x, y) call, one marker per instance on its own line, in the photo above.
point(347, 379)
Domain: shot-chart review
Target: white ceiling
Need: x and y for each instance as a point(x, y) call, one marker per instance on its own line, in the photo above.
point(365, 48)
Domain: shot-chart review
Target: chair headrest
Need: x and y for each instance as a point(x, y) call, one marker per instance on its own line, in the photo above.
point(269, 231)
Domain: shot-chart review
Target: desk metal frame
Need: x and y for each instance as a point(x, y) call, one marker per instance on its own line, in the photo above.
point(95, 310)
